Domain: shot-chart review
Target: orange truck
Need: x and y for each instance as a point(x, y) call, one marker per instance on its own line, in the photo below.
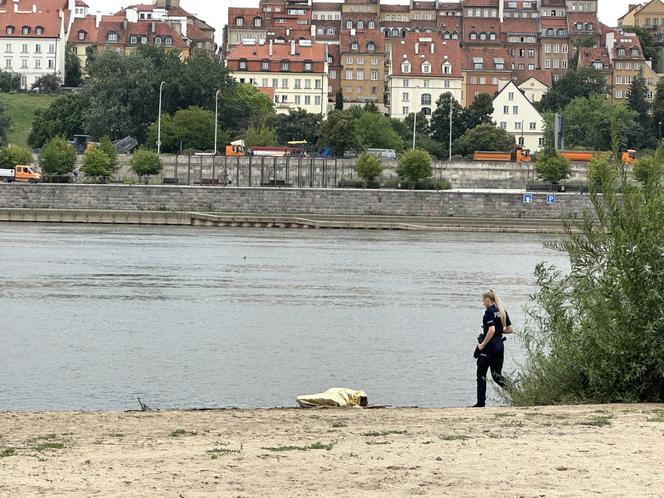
point(518, 155)
point(235, 148)
point(628, 156)
point(21, 173)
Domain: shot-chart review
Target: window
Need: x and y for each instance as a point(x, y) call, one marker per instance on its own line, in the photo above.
point(371, 47)
point(308, 66)
point(333, 74)
point(374, 75)
point(37, 63)
point(265, 65)
point(503, 125)
point(473, 36)
point(521, 141)
point(317, 100)
point(285, 65)
point(39, 30)
point(349, 60)
point(549, 32)
point(239, 21)
point(374, 61)
point(492, 36)
point(561, 32)
point(24, 48)
point(297, 100)
point(258, 22)
point(406, 83)
point(8, 63)
point(25, 30)
point(360, 75)
point(372, 25)
point(82, 35)
point(10, 30)
point(517, 125)
point(243, 63)
point(360, 24)
point(307, 84)
point(349, 74)
point(330, 31)
point(133, 40)
point(515, 110)
point(405, 67)
point(360, 60)
point(275, 83)
point(8, 47)
point(426, 83)
point(51, 63)
point(426, 68)
point(318, 84)
point(510, 96)
point(112, 37)
point(506, 109)
point(354, 46)
point(579, 26)
point(168, 40)
point(38, 48)
point(349, 24)
point(24, 63)
point(426, 99)
point(447, 68)
point(405, 96)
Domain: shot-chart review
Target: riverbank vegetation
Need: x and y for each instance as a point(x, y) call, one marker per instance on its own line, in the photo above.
point(595, 334)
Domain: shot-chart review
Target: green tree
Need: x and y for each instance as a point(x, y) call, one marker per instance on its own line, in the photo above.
point(9, 82)
point(552, 167)
point(5, 124)
point(339, 101)
point(434, 148)
point(368, 167)
point(440, 119)
point(641, 135)
point(97, 164)
point(299, 125)
point(14, 155)
point(63, 117)
point(261, 136)
point(187, 129)
point(479, 112)
point(340, 132)
point(110, 150)
point(73, 72)
point(406, 130)
point(244, 106)
point(414, 165)
point(57, 157)
point(658, 106)
point(584, 82)
point(486, 137)
point(376, 132)
point(588, 123)
point(594, 333)
point(49, 83)
point(145, 163)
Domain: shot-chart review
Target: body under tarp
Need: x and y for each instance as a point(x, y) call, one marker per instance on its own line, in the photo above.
point(337, 397)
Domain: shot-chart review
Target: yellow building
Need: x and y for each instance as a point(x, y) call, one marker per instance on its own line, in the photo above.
point(651, 16)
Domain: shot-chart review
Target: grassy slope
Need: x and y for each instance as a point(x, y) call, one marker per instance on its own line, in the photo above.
point(21, 107)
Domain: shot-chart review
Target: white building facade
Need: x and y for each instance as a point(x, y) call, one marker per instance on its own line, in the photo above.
point(513, 112)
point(423, 67)
point(33, 42)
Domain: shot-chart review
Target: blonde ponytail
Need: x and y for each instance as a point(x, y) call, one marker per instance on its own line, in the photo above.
point(493, 297)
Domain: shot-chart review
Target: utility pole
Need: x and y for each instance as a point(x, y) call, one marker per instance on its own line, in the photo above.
point(216, 120)
point(161, 87)
point(414, 127)
point(451, 117)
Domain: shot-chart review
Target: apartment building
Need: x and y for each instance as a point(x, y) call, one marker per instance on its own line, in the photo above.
point(33, 37)
point(554, 45)
point(628, 62)
point(485, 70)
point(294, 75)
point(514, 113)
point(423, 67)
point(520, 39)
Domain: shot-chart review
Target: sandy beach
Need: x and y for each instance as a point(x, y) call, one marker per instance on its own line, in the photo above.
point(613, 450)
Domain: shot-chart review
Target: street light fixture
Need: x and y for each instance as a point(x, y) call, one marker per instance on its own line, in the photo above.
point(451, 117)
point(161, 87)
point(216, 120)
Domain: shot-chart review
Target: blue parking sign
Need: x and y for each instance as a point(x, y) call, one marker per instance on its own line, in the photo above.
point(528, 198)
point(550, 198)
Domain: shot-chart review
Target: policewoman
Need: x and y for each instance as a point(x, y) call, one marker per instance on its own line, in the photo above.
point(490, 351)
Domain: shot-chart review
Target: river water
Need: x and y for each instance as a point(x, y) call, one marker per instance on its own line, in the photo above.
point(94, 316)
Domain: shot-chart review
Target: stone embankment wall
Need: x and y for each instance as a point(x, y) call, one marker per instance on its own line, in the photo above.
point(315, 172)
point(348, 202)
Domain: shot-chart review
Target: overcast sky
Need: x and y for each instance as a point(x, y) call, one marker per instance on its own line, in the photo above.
point(215, 11)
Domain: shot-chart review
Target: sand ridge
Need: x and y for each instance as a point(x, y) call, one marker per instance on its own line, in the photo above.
point(612, 450)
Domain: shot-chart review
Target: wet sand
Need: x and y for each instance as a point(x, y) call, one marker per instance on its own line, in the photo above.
point(613, 450)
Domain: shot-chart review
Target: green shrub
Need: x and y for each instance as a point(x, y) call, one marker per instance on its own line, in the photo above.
point(110, 150)
point(368, 167)
point(57, 157)
point(97, 164)
point(414, 165)
point(552, 167)
point(145, 163)
point(15, 154)
point(594, 335)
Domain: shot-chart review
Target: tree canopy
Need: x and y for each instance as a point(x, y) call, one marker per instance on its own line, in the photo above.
point(583, 82)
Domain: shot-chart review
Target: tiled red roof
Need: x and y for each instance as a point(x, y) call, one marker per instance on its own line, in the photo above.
point(255, 55)
point(482, 3)
point(363, 38)
point(431, 47)
point(542, 75)
point(87, 24)
point(480, 25)
point(553, 22)
point(395, 8)
point(589, 55)
point(50, 22)
point(512, 25)
point(490, 56)
point(584, 18)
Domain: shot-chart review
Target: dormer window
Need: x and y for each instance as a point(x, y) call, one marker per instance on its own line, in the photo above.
point(561, 32)
point(426, 67)
point(549, 32)
point(483, 36)
point(372, 25)
point(371, 47)
point(158, 41)
point(243, 64)
point(635, 52)
point(239, 21)
point(579, 26)
point(285, 65)
point(405, 67)
point(349, 24)
point(133, 40)
point(258, 22)
point(360, 25)
point(25, 30)
point(112, 37)
point(10, 30)
point(144, 40)
point(81, 35)
point(492, 36)
point(168, 40)
point(447, 68)
point(39, 30)
point(265, 65)
point(308, 66)
point(330, 31)
point(589, 26)
point(473, 36)
point(354, 46)
point(621, 51)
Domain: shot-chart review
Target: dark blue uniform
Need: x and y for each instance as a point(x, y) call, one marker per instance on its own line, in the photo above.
point(493, 354)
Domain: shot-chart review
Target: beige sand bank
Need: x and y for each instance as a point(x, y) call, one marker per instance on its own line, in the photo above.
point(612, 450)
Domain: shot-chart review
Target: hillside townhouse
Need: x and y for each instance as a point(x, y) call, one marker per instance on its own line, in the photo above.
point(294, 75)
point(600, 59)
point(629, 18)
point(514, 113)
point(649, 15)
point(423, 67)
point(33, 37)
point(485, 70)
point(534, 84)
point(628, 62)
point(520, 39)
point(554, 45)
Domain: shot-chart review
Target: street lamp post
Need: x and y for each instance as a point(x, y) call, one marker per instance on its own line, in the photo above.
point(660, 130)
point(161, 87)
point(451, 117)
point(414, 127)
point(216, 120)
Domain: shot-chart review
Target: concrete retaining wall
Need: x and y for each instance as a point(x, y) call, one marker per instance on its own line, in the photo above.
point(466, 204)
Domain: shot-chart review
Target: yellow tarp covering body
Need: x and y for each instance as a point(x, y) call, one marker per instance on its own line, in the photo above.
point(336, 397)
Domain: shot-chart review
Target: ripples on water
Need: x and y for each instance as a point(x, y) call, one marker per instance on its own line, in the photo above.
point(95, 315)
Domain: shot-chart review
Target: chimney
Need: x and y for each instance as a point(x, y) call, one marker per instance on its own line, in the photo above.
point(153, 27)
point(417, 48)
point(270, 49)
point(433, 48)
point(97, 19)
point(292, 48)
